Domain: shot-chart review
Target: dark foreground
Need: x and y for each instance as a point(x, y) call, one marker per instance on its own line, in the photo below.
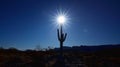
point(30, 58)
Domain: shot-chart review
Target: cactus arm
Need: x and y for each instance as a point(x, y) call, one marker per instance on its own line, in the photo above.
point(65, 36)
point(58, 34)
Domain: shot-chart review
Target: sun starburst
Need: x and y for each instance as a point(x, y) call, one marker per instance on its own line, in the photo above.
point(61, 18)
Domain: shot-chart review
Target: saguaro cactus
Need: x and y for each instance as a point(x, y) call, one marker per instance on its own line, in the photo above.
point(61, 38)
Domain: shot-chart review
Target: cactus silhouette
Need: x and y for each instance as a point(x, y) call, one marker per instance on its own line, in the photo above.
point(61, 38)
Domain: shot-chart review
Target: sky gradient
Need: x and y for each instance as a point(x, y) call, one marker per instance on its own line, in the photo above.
point(27, 23)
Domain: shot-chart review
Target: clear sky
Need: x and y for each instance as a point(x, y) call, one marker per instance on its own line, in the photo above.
point(27, 23)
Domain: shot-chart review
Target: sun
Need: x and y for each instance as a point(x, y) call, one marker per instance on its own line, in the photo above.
point(61, 19)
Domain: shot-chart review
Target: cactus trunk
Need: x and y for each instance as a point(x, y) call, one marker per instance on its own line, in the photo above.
point(61, 48)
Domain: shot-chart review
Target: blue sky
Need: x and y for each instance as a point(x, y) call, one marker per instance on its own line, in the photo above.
point(27, 23)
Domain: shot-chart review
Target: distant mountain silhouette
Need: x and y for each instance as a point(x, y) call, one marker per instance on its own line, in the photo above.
point(89, 48)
